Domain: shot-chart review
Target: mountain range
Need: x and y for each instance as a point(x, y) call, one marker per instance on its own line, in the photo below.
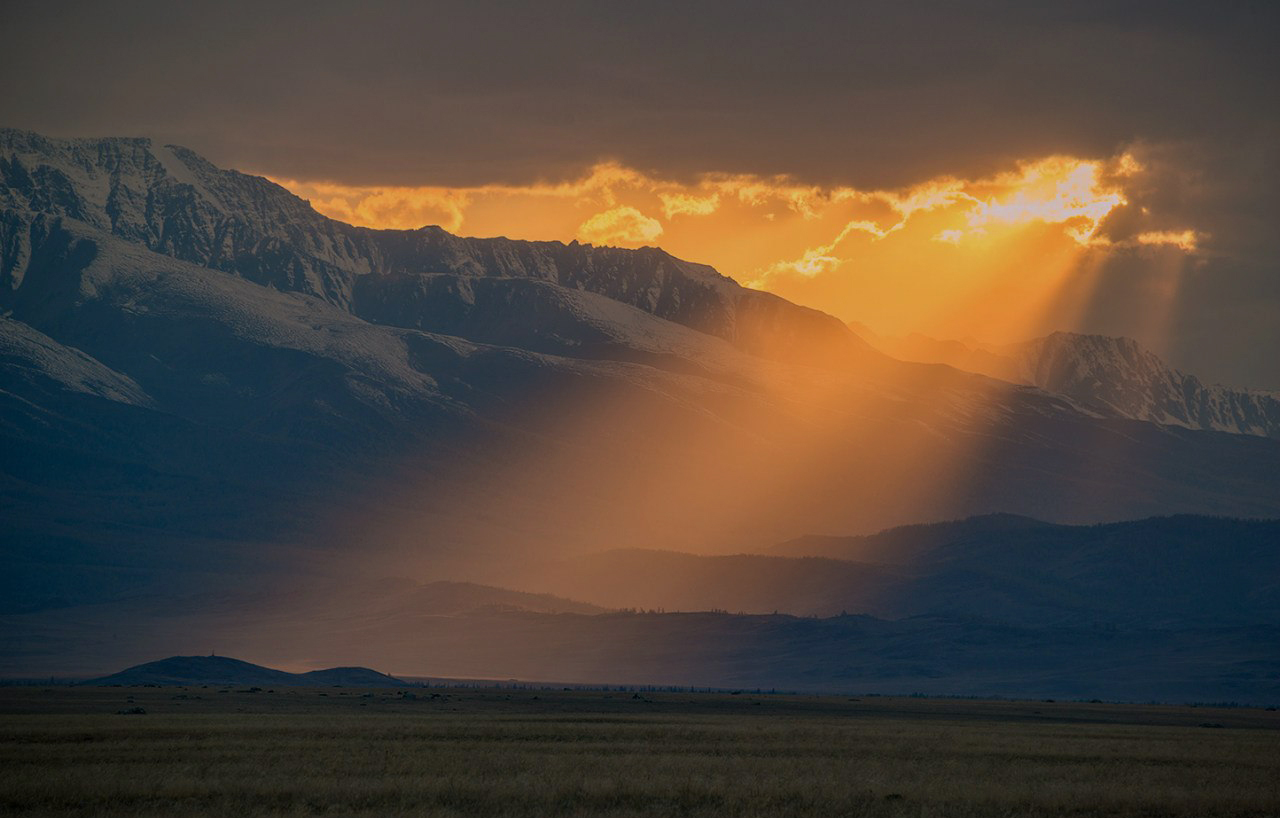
point(1173, 609)
point(1169, 572)
point(222, 413)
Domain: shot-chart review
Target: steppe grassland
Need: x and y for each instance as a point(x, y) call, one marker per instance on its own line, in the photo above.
point(668, 756)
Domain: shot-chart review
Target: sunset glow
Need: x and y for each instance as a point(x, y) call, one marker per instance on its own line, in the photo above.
point(1058, 190)
point(595, 410)
point(902, 259)
point(1185, 240)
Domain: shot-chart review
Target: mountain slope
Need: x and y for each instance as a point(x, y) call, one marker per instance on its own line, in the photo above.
point(1179, 571)
point(317, 426)
point(206, 389)
point(1120, 376)
point(741, 583)
point(1116, 377)
point(906, 544)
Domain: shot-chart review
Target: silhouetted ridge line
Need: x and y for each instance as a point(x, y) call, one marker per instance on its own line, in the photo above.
point(223, 670)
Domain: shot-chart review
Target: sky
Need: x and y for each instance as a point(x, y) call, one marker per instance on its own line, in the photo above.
point(990, 170)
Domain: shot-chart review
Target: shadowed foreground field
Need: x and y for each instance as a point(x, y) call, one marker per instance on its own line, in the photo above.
point(464, 752)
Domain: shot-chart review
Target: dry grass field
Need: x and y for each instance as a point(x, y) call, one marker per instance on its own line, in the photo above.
point(468, 752)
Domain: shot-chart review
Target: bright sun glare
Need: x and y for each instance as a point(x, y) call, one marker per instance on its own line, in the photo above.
point(921, 258)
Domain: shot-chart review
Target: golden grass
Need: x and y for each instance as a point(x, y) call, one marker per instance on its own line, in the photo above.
point(495, 753)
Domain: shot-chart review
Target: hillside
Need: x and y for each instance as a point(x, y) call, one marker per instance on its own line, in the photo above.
point(224, 671)
point(845, 654)
point(1173, 572)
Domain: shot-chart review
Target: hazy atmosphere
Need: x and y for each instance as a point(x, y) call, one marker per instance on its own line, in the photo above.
point(726, 409)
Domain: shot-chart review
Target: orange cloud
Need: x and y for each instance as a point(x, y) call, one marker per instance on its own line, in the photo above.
point(901, 259)
point(1054, 190)
point(815, 261)
point(1057, 190)
point(676, 204)
point(404, 208)
point(1185, 240)
point(621, 225)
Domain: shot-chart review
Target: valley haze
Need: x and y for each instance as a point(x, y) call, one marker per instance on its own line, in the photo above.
point(231, 421)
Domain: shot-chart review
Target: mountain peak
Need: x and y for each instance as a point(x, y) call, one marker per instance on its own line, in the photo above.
point(1114, 376)
point(1118, 375)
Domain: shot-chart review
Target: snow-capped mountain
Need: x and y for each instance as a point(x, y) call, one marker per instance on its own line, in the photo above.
point(210, 393)
point(1115, 377)
point(174, 202)
point(1120, 376)
point(200, 375)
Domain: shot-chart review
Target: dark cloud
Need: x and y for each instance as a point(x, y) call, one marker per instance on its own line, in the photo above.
point(1225, 324)
point(460, 93)
point(863, 93)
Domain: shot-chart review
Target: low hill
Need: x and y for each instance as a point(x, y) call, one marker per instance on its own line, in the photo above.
point(223, 670)
point(850, 654)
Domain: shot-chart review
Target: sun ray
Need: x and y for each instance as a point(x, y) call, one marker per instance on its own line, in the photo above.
point(983, 257)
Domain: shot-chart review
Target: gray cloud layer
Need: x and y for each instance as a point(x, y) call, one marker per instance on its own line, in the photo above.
point(869, 93)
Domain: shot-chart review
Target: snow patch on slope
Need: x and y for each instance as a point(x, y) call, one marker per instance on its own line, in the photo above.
point(28, 354)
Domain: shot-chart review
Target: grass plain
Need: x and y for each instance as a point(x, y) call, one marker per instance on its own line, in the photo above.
point(500, 752)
